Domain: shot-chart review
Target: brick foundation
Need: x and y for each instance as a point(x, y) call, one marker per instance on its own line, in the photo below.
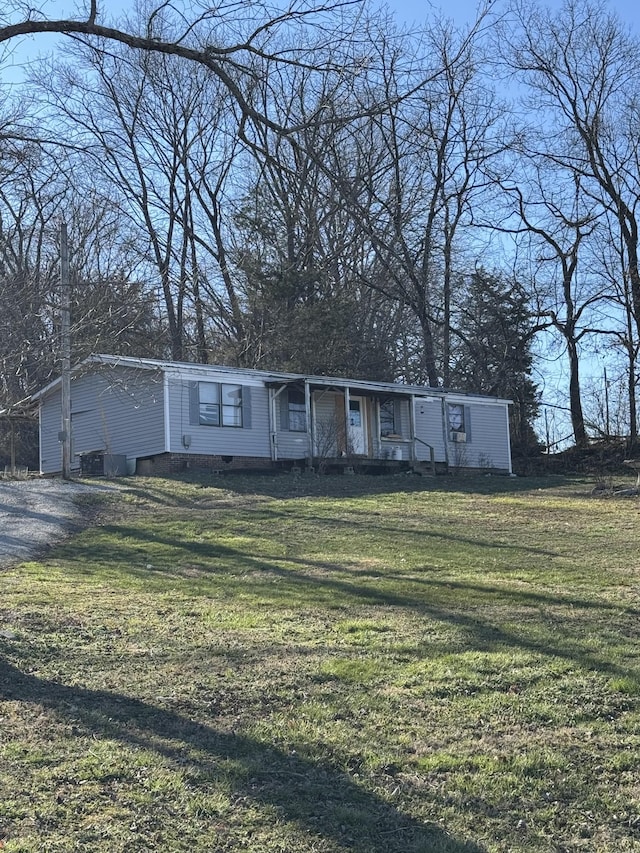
point(174, 463)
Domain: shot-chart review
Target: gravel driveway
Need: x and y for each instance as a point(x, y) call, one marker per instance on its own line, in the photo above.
point(36, 513)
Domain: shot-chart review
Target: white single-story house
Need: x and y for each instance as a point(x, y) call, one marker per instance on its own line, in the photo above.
point(151, 416)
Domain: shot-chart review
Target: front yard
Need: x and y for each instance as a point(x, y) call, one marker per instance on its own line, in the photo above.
point(368, 664)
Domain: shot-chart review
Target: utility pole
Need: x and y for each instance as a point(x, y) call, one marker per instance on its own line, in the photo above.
point(65, 331)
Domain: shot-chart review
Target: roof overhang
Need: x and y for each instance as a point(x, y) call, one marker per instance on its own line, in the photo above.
point(275, 379)
point(354, 386)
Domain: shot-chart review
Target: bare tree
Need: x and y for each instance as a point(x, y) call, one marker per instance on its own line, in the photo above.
point(227, 39)
point(167, 135)
point(31, 196)
point(558, 219)
point(423, 167)
point(304, 257)
point(111, 301)
point(618, 328)
point(583, 72)
point(396, 141)
point(157, 132)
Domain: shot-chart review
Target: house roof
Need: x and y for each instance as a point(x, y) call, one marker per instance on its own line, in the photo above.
point(267, 376)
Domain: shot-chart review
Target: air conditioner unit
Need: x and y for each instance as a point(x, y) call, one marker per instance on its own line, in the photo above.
point(458, 436)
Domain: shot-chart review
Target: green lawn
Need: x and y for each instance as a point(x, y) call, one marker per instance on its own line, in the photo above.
point(298, 664)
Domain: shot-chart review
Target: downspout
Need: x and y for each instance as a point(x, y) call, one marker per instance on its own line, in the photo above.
point(167, 412)
point(40, 432)
point(445, 431)
point(272, 417)
point(509, 440)
point(311, 422)
point(412, 427)
point(272, 426)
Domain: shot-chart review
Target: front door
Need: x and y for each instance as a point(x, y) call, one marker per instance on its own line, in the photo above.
point(357, 429)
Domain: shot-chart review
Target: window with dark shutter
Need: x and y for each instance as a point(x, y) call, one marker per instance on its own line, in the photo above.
point(219, 404)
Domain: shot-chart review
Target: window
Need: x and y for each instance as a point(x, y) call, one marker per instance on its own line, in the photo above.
point(219, 404)
point(209, 401)
point(387, 418)
point(297, 410)
point(355, 414)
point(456, 421)
point(231, 405)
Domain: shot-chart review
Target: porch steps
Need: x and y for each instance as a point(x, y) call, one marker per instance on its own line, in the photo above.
point(424, 469)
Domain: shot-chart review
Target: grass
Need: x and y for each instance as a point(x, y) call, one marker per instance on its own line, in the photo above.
point(327, 664)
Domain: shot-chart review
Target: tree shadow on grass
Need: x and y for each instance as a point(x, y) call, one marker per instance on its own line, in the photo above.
point(286, 485)
point(321, 799)
point(323, 582)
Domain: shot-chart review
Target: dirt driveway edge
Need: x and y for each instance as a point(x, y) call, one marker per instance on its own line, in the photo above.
point(36, 513)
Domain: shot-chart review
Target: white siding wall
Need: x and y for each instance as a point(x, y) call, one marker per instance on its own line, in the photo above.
point(291, 444)
point(487, 426)
point(212, 440)
point(119, 411)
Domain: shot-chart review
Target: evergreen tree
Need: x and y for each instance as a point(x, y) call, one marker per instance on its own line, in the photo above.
point(493, 354)
point(302, 322)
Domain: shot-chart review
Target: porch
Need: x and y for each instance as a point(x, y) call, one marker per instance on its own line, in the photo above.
point(345, 428)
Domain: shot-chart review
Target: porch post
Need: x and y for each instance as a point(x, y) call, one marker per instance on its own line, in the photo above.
point(412, 427)
point(272, 425)
point(273, 432)
point(347, 422)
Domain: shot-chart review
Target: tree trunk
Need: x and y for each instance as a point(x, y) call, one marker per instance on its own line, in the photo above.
point(429, 355)
point(633, 406)
point(575, 403)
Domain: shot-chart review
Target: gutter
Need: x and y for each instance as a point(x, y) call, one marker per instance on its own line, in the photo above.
point(167, 412)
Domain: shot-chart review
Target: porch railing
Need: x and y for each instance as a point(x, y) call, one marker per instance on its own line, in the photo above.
point(432, 453)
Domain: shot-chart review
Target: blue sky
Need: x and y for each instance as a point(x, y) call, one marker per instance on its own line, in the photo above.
point(465, 11)
point(408, 11)
point(462, 12)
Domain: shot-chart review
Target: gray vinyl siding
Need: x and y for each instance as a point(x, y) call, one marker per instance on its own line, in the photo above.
point(292, 445)
point(252, 441)
point(121, 409)
point(118, 411)
point(429, 429)
point(487, 445)
point(50, 425)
